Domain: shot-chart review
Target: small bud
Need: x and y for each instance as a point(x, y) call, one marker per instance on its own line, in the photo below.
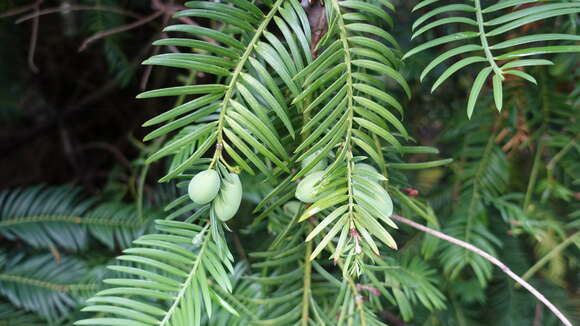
point(354, 233)
point(411, 192)
point(196, 241)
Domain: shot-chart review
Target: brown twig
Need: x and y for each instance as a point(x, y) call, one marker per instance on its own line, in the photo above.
point(392, 318)
point(492, 260)
point(170, 9)
point(110, 148)
point(318, 23)
point(147, 72)
point(239, 247)
point(34, 38)
point(17, 11)
point(149, 68)
point(120, 29)
point(538, 315)
point(68, 7)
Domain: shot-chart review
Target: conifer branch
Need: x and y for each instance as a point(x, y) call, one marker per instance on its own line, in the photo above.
point(492, 260)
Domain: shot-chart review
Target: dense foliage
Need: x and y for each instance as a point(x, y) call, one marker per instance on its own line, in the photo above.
point(289, 139)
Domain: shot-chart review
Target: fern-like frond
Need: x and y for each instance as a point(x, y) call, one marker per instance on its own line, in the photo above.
point(52, 217)
point(351, 307)
point(167, 279)
point(242, 289)
point(405, 284)
point(306, 295)
point(509, 305)
point(483, 176)
point(11, 316)
point(500, 58)
point(43, 285)
point(286, 293)
point(347, 109)
point(240, 112)
point(455, 259)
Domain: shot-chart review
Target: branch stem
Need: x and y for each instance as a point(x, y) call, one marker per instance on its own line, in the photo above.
point(533, 176)
point(186, 284)
point(80, 220)
point(307, 281)
point(64, 8)
point(350, 106)
point(483, 39)
point(235, 75)
point(355, 292)
point(9, 278)
point(34, 38)
point(492, 260)
point(120, 29)
point(552, 164)
point(152, 149)
point(475, 192)
point(549, 255)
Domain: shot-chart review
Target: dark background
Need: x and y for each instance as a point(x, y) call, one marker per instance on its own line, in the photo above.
point(69, 115)
point(68, 112)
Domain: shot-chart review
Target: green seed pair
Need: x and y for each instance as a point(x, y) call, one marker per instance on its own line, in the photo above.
point(224, 194)
point(367, 190)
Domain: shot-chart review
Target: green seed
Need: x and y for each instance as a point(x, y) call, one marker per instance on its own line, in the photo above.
point(321, 165)
point(364, 166)
point(292, 207)
point(367, 171)
point(226, 204)
point(204, 186)
point(375, 195)
point(306, 191)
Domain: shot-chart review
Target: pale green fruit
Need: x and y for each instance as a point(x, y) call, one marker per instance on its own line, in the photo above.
point(384, 203)
point(227, 203)
point(364, 170)
point(321, 165)
point(204, 186)
point(306, 190)
point(292, 207)
point(374, 198)
point(364, 166)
